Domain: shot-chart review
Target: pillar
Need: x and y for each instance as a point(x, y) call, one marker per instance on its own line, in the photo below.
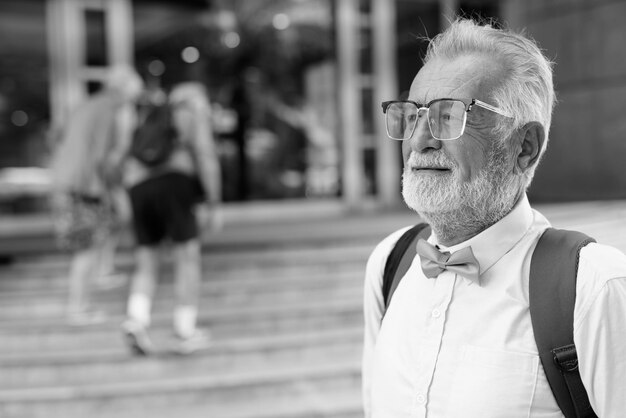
point(69, 72)
point(388, 160)
point(350, 113)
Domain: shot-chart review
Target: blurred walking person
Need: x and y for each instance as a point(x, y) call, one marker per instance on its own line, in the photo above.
point(164, 197)
point(85, 172)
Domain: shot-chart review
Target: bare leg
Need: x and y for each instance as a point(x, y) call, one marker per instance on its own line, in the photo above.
point(106, 265)
point(108, 276)
point(140, 300)
point(143, 285)
point(188, 278)
point(82, 270)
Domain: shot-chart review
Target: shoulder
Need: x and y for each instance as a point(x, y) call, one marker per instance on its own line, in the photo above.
point(601, 273)
point(378, 257)
point(601, 263)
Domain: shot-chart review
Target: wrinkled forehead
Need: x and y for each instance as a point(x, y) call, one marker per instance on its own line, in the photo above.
point(463, 77)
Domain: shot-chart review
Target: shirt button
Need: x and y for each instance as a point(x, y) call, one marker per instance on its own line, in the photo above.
point(436, 313)
point(420, 399)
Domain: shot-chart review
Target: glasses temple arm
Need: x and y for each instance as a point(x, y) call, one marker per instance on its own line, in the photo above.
point(491, 108)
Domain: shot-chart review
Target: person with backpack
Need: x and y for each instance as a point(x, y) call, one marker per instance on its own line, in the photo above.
point(172, 169)
point(484, 310)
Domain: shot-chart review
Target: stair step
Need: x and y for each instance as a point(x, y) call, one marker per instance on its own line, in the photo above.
point(115, 302)
point(47, 265)
point(229, 279)
point(209, 311)
point(52, 334)
point(312, 403)
point(116, 362)
point(242, 387)
point(13, 287)
point(19, 277)
point(91, 343)
point(309, 402)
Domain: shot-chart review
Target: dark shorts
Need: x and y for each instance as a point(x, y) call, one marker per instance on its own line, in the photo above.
point(163, 207)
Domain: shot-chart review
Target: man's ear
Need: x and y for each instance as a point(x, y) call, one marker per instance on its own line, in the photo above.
point(531, 138)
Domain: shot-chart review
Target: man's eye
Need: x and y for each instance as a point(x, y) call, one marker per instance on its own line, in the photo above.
point(411, 118)
point(445, 117)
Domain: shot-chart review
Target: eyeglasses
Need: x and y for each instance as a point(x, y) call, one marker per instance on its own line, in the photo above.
point(446, 117)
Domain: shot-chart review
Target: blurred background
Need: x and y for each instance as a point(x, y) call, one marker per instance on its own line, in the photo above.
point(295, 86)
point(309, 180)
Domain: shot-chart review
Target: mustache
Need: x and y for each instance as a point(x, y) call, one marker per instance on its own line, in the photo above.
point(438, 159)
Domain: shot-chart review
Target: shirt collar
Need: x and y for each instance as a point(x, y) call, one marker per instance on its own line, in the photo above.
point(493, 243)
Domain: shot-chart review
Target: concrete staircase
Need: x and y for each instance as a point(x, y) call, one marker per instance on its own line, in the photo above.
point(283, 303)
point(285, 322)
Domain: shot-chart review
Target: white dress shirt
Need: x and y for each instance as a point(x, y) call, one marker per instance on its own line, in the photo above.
point(450, 347)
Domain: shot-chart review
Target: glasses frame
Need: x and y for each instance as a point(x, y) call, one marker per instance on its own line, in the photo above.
point(468, 103)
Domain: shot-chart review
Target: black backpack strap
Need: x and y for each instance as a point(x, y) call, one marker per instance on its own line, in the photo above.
point(552, 292)
point(400, 258)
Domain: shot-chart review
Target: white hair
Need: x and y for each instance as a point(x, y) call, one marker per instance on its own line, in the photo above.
point(527, 90)
point(125, 79)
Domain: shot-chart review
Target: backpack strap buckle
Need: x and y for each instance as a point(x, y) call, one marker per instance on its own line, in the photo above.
point(566, 358)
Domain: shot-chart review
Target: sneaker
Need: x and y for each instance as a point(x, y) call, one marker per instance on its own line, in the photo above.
point(200, 340)
point(137, 338)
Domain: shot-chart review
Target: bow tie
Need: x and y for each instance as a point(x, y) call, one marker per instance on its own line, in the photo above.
point(434, 261)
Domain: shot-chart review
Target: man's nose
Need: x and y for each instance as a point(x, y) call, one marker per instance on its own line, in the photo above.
point(422, 139)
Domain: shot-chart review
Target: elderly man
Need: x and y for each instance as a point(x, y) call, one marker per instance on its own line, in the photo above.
point(461, 344)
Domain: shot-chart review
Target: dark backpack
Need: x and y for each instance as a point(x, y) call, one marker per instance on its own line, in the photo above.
point(154, 139)
point(552, 296)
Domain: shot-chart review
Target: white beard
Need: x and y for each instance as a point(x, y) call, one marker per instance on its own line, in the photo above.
point(454, 207)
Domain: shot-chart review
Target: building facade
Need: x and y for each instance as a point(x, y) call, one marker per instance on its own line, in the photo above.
point(297, 84)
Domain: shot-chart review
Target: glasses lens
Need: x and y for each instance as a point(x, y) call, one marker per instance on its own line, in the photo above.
point(447, 119)
point(400, 119)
